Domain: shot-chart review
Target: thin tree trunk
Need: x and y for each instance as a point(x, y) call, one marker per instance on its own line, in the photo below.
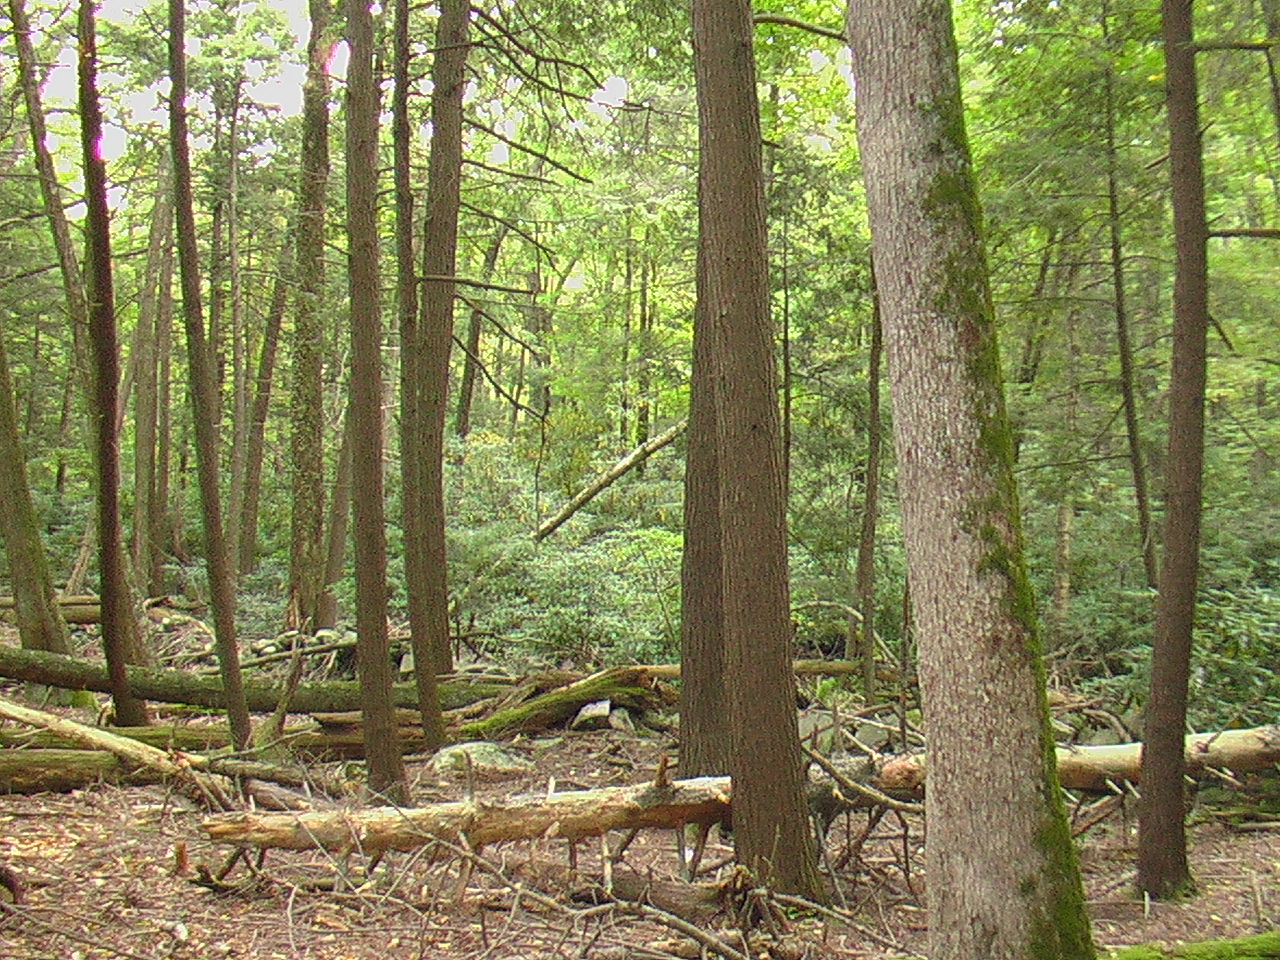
point(471, 362)
point(146, 409)
point(118, 623)
point(382, 748)
point(1128, 391)
point(255, 441)
point(240, 426)
point(336, 533)
point(864, 573)
point(161, 536)
point(204, 391)
point(1163, 870)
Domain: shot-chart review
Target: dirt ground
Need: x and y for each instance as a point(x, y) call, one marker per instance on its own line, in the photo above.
point(124, 872)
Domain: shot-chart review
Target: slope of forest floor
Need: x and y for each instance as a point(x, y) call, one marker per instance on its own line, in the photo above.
point(124, 872)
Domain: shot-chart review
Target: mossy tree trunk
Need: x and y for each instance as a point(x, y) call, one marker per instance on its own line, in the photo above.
point(1003, 885)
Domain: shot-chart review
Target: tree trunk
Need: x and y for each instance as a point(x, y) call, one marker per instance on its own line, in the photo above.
point(862, 640)
point(425, 354)
point(471, 362)
point(146, 395)
point(771, 822)
point(204, 390)
point(1005, 886)
point(1163, 870)
point(382, 748)
point(1128, 392)
point(704, 706)
point(40, 622)
point(255, 440)
point(306, 459)
point(118, 624)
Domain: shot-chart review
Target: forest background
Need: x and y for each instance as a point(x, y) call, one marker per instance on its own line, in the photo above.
point(577, 241)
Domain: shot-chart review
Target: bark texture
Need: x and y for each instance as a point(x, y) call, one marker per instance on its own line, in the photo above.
point(1163, 870)
point(382, 748)
point(771, 823)
point(1003, 885)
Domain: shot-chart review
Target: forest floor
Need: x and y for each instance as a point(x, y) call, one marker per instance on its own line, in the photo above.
point(116, 872)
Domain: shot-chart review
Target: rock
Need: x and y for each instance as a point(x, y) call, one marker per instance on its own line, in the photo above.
point(594, 716)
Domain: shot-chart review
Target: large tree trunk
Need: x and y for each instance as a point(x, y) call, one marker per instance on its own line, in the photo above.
point(119, 627)
point(204, 389)
point(1162, 842)
point(771, 823)
point(382, 748)
point(306, 458)
point(1005, 886)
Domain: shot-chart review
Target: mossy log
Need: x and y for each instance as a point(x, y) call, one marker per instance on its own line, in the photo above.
point(1264, 946)
point(79, 608)
point(632, 687)
point(60, 770)
point(179, 686)
point(572, 815)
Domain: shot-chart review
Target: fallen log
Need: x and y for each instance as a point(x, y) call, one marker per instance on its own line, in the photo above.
point(572, 815)
point(78, 609)
point(1097, 768)
point(702, 800)
point(59, 770)
point(179, 686)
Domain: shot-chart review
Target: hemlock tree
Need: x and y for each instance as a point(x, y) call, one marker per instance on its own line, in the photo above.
point(770, 818)
point(373, 655)
point(1162, 841)
point(1003, 877)
point(118, 624)
point(204, 390)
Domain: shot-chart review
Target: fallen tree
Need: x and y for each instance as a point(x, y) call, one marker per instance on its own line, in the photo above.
point(572, 815)
point(698, 801)
point(180, 686)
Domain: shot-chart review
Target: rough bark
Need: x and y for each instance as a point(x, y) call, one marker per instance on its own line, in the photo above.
point(771, 824)
point(382, 749)
point(204, 388)
point(1163, 870)
point(425, 561)
point(119, 628)
point(306, 458)
point(1007, 886)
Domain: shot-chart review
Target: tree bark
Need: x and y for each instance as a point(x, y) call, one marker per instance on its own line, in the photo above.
point(204, 389)
point(306, 458)
point(1007, 886)
point(39, 619)
point(382, 748)
point(1163, 870)
point(118, 624)
point(771, 822)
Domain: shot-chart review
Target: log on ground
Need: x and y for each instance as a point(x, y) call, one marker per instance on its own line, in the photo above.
point(179, 686)
point(572, 815)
